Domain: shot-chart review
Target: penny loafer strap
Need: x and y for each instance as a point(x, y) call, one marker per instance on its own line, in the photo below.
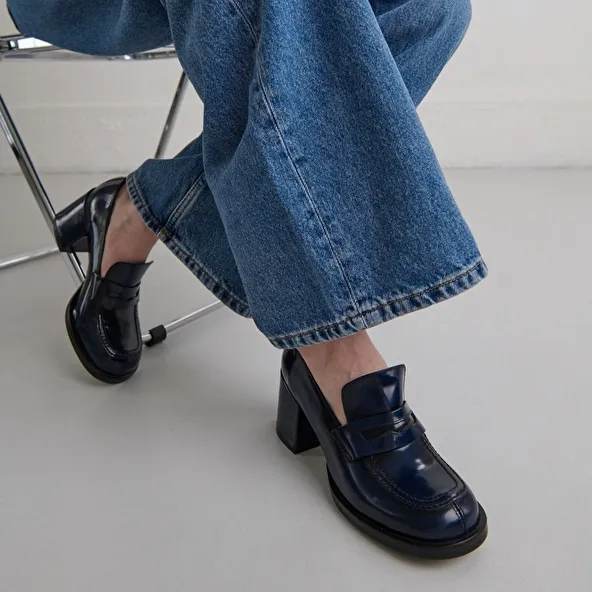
point(117, 296)
point(379, 433)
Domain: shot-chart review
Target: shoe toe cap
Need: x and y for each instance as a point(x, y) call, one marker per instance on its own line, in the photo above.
point(449, 520)
point(416, 493)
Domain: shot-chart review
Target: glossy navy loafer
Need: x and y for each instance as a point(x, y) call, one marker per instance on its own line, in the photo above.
point(384, 474)
point(102, 316)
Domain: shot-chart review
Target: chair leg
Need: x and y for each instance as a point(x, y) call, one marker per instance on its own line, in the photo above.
point(171, 119)
point(155, 335)
point(158, 334)
point(30, 173)
point(26, 257)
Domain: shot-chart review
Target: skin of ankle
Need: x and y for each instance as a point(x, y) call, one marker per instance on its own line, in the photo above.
point(128, 238)
point(335, 363)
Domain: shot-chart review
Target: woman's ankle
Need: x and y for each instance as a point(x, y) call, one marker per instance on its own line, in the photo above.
point(335, 363)
point(128, 238)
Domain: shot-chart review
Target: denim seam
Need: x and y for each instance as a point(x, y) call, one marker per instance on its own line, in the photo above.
point(180, 250)
point(207, 279)
point(214, 283)
point(245, 18)
point(381, 306)
point(210, 281)
point(184, 203)
point(429, 289)
point(306, 190)
point(279, 340)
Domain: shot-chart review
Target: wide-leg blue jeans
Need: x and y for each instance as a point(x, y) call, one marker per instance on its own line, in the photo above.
point(312, 201)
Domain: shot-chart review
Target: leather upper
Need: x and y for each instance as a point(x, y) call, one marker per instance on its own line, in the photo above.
point(381, 460)
point(104, 312)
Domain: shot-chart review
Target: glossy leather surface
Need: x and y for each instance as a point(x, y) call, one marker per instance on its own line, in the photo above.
point(381, 460)
point(103, 314)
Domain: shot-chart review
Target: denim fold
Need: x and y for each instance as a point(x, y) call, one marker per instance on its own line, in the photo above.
point(312, 201)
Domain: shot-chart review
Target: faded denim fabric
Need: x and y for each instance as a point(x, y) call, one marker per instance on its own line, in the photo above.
point(313, 200)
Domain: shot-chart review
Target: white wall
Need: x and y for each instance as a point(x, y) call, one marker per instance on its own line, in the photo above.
point(518, 93)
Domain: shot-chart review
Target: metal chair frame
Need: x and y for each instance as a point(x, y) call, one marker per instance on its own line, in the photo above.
point(15, 47)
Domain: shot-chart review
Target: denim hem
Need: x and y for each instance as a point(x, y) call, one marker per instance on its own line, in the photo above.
point(212, 283)
point(372, 316)
point(397, 307)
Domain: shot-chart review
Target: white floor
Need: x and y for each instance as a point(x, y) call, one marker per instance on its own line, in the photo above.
point(176, 481)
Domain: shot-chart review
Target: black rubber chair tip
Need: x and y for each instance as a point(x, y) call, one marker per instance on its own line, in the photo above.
point(157, 335)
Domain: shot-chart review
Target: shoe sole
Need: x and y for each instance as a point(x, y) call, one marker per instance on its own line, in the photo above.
point(84, 358)
point(406, 544)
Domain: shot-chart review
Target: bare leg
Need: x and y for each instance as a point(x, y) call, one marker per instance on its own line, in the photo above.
point(128, 238)
point(335, 363)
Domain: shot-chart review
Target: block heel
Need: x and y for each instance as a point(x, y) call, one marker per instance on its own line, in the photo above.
point(292, 427)
point(70, 227)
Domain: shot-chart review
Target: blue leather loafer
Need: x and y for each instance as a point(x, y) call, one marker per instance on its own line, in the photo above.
point(102, 316)
point(384, 474)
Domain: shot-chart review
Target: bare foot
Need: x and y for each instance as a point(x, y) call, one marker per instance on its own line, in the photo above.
point(128, 238)
point(335, 363)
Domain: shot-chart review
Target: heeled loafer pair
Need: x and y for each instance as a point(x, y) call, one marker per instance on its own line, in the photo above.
point(384, 474)
point(102, 316)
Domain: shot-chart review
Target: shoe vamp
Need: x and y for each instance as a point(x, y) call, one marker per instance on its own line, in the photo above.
point(417, 474)
point(120, 330)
